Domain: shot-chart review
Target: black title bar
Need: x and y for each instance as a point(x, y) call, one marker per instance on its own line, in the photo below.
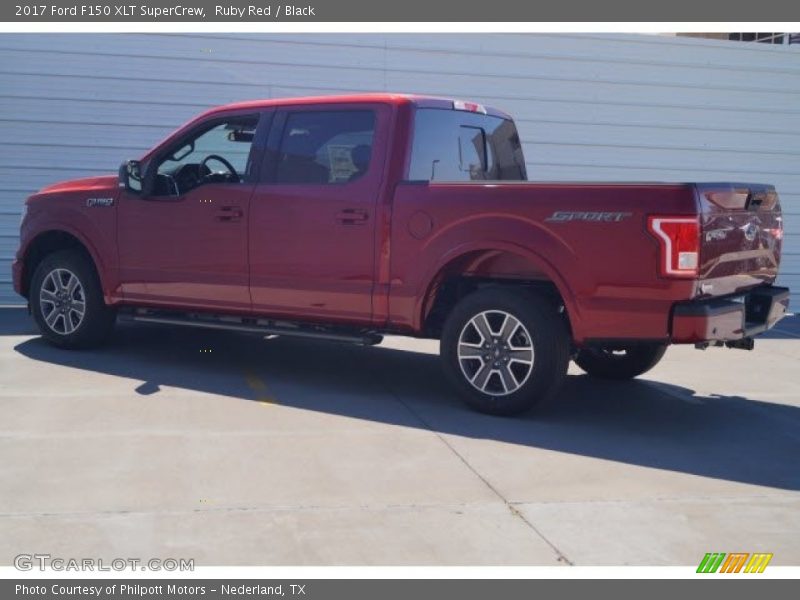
point(407, 10)
point(347, 589)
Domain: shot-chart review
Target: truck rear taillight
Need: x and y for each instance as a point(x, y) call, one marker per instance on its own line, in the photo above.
point(679, 240)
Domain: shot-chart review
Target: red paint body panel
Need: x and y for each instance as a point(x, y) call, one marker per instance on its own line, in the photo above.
point(312, 247)
point(741, 242)
point(181, 253)
point(63, 207)
point(288, 254)
point(605, 272)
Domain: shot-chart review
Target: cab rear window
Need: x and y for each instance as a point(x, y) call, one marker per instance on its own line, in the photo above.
point(454, 145)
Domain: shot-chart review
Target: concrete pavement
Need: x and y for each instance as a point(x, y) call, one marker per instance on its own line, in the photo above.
point(231, 450)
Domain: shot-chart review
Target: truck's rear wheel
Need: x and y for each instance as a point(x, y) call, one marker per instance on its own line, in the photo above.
point(507, 351)
point(67, 301)
point(624, 362)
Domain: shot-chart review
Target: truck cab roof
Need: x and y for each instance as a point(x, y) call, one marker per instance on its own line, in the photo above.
point(419, 101)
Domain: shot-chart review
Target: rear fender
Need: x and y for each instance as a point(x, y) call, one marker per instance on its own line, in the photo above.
point(493, 259)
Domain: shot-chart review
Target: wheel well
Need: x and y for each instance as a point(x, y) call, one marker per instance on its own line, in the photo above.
point(45, 244)
point(479, 269)
point(455, 287)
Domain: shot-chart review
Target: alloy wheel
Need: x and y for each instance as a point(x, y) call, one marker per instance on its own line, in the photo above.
point(62, 301)
point(495, 353)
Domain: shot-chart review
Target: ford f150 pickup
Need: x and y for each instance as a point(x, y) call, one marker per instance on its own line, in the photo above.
point(345, 218)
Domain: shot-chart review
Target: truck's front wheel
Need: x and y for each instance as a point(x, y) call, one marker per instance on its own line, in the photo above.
point(624, 362)
point(507, 351)
point(67, 301)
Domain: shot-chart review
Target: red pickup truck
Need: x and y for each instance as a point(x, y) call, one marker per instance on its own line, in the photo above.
point(344, 218)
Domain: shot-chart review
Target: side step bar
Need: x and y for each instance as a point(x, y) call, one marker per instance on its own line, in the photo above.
point(255, 325)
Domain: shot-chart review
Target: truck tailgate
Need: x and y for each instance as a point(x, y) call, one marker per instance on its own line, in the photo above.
point(741, 232)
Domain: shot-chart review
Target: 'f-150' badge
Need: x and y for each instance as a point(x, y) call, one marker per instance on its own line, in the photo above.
point(563, 216)
point(90, 202)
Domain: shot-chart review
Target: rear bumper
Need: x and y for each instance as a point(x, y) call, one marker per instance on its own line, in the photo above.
point(730, 318)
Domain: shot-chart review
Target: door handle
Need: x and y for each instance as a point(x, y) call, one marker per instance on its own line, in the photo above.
point(352, 216)
point(229, 213)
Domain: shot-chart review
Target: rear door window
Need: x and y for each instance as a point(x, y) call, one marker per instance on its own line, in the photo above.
point(325, 147)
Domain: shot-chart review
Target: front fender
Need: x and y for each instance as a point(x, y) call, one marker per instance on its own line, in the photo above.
point(97, 238)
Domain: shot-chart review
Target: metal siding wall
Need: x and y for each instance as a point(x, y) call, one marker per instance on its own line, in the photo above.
point(589, 107)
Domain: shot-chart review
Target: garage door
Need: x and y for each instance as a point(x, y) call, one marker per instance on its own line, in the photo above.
point(589, 107)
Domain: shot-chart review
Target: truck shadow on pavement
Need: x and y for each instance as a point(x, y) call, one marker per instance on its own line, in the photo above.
point(639, 422)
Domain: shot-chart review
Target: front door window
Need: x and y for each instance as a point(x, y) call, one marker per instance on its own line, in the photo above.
point(219, 154)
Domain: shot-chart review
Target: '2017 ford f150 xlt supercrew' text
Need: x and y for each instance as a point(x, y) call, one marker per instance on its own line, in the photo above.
point(348, 217)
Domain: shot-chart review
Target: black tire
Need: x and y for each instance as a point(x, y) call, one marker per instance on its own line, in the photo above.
point(620, 363)
point(97, 321)
point(543, 329)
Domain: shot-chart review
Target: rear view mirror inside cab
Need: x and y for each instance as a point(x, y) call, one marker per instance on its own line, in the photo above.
point(241, 135)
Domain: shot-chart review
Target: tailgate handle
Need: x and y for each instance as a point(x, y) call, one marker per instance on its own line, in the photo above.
point(753, 201)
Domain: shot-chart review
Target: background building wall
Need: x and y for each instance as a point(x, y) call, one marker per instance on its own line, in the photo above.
point(589, 107)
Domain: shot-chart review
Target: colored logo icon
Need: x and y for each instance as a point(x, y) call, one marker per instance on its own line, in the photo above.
point(736, 562)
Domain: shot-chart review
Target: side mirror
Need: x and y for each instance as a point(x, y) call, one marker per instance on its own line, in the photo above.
point(130, 176)
point(136, 178)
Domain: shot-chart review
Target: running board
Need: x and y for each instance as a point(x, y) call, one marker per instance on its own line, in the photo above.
point(256, 325)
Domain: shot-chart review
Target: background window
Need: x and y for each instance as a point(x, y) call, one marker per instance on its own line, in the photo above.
point(324, 147)
point(453, 145)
